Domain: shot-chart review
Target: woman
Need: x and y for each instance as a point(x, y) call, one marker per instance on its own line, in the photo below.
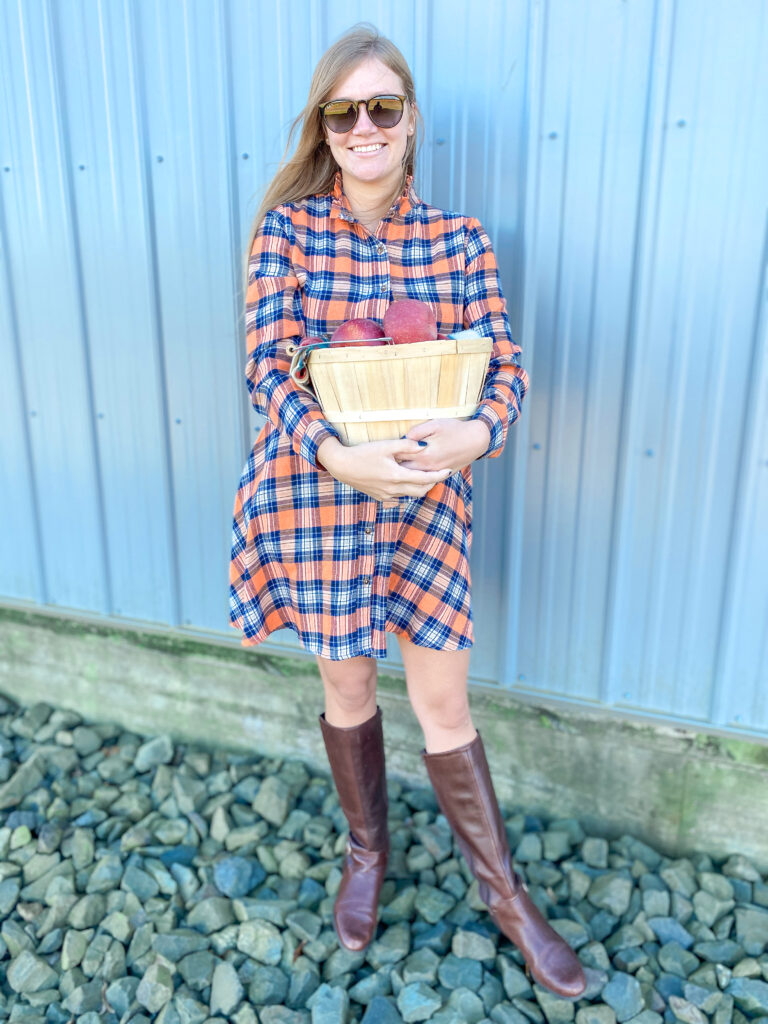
point(343, 544)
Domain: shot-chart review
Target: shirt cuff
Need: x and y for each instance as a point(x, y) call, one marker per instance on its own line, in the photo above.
point(492, 420)
point(311, 439)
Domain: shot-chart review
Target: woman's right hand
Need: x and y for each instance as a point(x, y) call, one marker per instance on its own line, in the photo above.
point(372, 467)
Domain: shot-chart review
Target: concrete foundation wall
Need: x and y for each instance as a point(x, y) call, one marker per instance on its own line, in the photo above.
point(678, 789)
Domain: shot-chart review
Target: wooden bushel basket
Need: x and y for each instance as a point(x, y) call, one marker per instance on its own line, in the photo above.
point(378, 393)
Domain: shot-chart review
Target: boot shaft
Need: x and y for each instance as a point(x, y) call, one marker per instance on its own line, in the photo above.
point(356, 757)
point(462, 782)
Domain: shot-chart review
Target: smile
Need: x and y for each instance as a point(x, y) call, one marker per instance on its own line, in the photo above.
point(368, 149)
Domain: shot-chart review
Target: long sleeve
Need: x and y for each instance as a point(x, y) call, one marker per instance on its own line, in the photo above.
point(485, 310)
point(273, 318)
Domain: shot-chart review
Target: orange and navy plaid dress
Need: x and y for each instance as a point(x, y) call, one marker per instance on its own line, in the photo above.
point(310, 553)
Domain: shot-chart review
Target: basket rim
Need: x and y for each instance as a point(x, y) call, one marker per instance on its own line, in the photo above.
point(416, 349)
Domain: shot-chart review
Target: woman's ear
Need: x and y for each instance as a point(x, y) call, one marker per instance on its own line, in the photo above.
point(412, 119)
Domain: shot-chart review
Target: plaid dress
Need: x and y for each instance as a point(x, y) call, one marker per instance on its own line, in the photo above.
point(310, 553)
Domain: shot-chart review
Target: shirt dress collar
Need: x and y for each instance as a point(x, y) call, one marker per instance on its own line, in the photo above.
point(403, 204)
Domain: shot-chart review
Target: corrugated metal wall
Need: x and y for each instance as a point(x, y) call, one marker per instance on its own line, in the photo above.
point(616, 152)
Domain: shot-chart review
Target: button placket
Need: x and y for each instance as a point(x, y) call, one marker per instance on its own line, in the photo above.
point(383, 264)
point(367, 560)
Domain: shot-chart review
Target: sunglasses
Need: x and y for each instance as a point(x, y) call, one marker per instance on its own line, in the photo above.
point(341, 115)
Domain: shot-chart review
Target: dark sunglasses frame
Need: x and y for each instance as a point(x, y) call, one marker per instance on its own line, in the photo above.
point(356, 105)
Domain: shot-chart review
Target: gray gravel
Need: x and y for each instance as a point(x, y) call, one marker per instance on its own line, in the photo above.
point(143, 879)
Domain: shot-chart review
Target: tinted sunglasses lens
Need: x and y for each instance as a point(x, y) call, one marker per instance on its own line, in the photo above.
point(340, 115)
point(385, 111)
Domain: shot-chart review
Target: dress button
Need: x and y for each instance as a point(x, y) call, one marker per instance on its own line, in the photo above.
point(366, 580)
point(368, 529)
point(381, 247)
point(384, 287)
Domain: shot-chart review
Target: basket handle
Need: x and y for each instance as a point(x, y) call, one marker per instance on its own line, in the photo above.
point(299, 371)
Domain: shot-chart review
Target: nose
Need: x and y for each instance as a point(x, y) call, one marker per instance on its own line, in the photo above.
point(363, 120)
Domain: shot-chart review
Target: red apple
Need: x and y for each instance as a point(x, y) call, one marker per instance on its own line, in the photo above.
point(360, 331)
point(410, 320)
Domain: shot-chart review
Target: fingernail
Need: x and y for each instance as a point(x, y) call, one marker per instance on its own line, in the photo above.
point(423, 444)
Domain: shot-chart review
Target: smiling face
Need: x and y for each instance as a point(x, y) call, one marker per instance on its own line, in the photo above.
point(369, 156)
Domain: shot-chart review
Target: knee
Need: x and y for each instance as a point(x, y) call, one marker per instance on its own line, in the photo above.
point(350, 683)
point(449, 712)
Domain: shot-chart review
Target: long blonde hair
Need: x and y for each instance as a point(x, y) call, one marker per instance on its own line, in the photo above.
point(312, 169)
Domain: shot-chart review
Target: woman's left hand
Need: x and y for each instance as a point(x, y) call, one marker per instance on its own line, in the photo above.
point(451, 443)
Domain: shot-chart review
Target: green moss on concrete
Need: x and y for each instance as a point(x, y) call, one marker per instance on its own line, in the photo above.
point(179, 647)
point(744, 751)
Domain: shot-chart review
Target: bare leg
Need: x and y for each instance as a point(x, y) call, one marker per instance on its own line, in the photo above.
point(350, 690)
point(437, 689)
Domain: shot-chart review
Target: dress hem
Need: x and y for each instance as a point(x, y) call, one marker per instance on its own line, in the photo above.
point(254, 641)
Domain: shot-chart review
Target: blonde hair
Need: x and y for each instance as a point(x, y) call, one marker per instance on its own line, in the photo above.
point(312, 169)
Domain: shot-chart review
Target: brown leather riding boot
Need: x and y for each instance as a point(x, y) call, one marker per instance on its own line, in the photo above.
point(462, 783)
point(356, 756)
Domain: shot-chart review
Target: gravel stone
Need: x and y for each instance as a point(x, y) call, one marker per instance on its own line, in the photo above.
point(725, 951)
point(24, 780)
point(156, 986)
point(460, 972)
point(556, 1009)
point(106, 875)
point(709, 909)
point(381, 1011)
point(624, 995)
point(29, 973)
point(85, 998)
point(378, 983)
point(418, 1001)
point(86, 741)
point(676, 960)
point(433, 904)
point(282, 1015)
point(330, 1005)
point(237, 876)
point(741, 867)
point(260, 940)
point(226, 989)
point(557, 844)
point(197, 969)
point(392, 947)
point(706, 999)
point(668, 929)
point(303, 982)
point(752, 924)
point(686, 1011)
point(506, 1013)
point(121, 994)
point(594, 852)
point(158, 750)
point(472, 946)
point(599, 1013)
point(750, 995)
point(267, 986)
point(176, 944)
point(610, 892)
point(273, 800)
point(212, 914)
point(529, 848)
point(466, 1005)
point(421, 965)
point(87, 912)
